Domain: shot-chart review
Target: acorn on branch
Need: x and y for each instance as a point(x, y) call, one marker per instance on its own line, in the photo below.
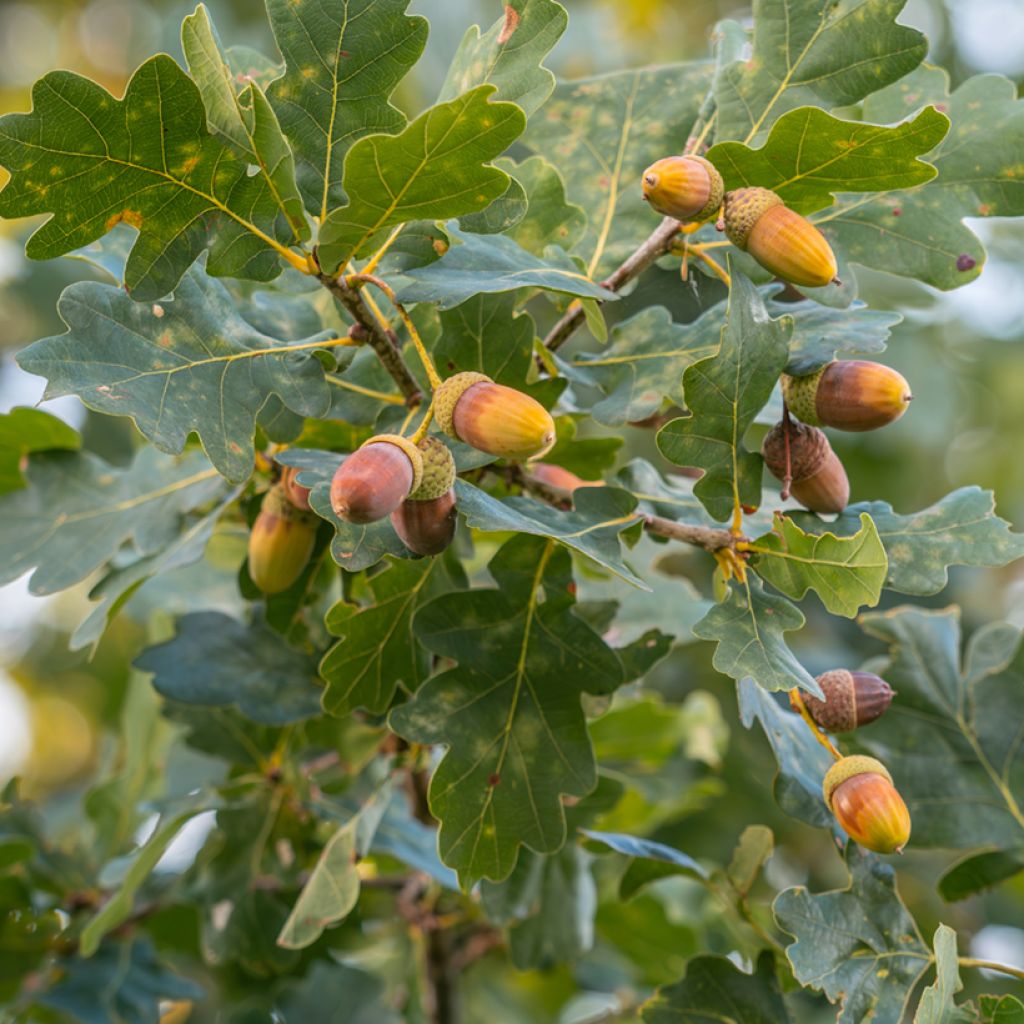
point(374, 480)
point(818, 480)
point(852, 699)
point(684, 187)
point(280, 542)
point(757, 221)
point(559, 476)
point(850, 395)
point(425, 522)
point(859, 791)
point(493, 418)
point(293, 490)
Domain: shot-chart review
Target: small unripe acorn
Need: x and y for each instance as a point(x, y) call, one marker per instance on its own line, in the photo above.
point(373, 481)
point(426, 527)
point(860, 793)
point(850, 395)
point(819, 481)
point(559, 476)
point(293, 490)
point(493, 418)
point(851, 699)
point(684, 187)
point(280, 543)
point(757, 221)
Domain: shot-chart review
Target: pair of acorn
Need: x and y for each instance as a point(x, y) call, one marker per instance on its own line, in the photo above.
point(853, 395)
point(859, 790)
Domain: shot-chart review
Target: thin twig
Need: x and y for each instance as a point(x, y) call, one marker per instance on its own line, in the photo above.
point(988, 965)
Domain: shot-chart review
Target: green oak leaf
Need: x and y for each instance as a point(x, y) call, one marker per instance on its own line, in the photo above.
point(754, 849)
point(484, 264)
point(77, 511)
point(601, 133)
point(809, 156)
point(937, 1005)
point(715, 989)
point(812, 52)
point(951, 740)
point(724, 393)
point(961, 529)
point(438, 167)
point(1001, 1009)
point(859, 945)
point(186, 364)
point(502, 213)
point(242, 118)
point(979, 870)
point(147, 160)
point(821, 333)
point(550, 218)
point(25, 430)
point(593, 528)
point(334, 993)
point(648, 860)
point(748, 627)
point(378, 651)
point(847, 573)
point(509, 55)
point(342, 62)
point(510, 711)
point(216, 661)
point(920, 233)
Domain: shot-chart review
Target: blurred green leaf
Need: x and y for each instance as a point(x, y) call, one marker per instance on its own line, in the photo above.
point(979, 871)
point(30, 430)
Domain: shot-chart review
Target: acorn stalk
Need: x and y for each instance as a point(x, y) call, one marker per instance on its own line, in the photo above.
point(851, 395)
point(860, 793)
point(280, 542)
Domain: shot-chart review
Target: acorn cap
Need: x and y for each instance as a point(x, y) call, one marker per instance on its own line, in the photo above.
point(743, 209)
point(858, 764)
point(447, 396)
point(809, 450)
point(800, 395)
point(438, 470)
point(852, 699)
point(413, 453)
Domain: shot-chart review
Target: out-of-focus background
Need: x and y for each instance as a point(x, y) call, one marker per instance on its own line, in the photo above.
point(963, 352)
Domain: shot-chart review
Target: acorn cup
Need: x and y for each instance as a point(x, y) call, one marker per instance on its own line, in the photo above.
point(819, 481)
point(757, 221)
point(852, 699)
point(293, 490)
point(280, 542)
point(493, 418)
point(859, 791)
point(851, 395)
point(425, 522)
point(684, 187)
point(374, 480)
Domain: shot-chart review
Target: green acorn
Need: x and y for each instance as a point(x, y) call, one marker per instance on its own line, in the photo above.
point(280, 543)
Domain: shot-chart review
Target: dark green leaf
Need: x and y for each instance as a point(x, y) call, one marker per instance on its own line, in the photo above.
point(979, 871)
point(333, 993)
point(648, 860)
point(30, 430)
point(550, 219)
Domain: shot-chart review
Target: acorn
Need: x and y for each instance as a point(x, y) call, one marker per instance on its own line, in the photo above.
point(818, 480)
point(374, 480)
point(852, 699)
point(280, 542)
point(293, 490)
point(757, 221)
point(426, 520)
point(493, 418)
point(850, 395)
point(859, 791)
point(684, 187)
point(560, 477)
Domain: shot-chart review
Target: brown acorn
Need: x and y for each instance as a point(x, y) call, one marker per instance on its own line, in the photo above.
point(560, 477)
point(684, 187)
point(280, 543)
point(851, 699)
point(426, 520)
point(819, 481)
point(757, 221)
point(293, 490)
point(373, 481)
point(493, 418)
point(859, 791)
point(850, 395)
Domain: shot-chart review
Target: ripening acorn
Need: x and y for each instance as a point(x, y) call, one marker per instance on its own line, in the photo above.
point(819, 481)
point(493, 418)
point(852, 699)
point(684, 187)
point(849, 395)
point(426, 520)
point(293, 490)
point(757, 221)
point(559, 476)
point(280, 543)
point(374, 480)
point(859, 791)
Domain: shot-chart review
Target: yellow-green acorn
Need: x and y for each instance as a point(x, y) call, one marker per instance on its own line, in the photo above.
point(684, 187)
point(280, 543)
point(849, 395)
point(425, 522)
point(790, 246)
point(818, 479)
point(859, 791)
point(852, 699)
point(493, 418)
point(373, 481)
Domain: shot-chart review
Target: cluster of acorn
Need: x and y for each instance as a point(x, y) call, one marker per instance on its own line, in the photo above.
point(853, 395)
point(859, 790)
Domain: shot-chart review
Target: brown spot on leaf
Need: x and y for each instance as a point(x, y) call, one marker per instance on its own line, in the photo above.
point(896, 211)
point(511, 24)
point(132, 217)
point(493, 779)
point(965, 262)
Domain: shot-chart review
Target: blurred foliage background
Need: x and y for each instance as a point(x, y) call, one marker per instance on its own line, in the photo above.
point(963, 353)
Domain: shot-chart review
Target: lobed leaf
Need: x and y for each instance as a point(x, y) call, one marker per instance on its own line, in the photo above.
point(23, 431)
point(937, 1005)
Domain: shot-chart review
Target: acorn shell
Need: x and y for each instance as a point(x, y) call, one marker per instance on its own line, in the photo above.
point(426, 527)
point(852, 699)
point(859, 791)
point(684, 187)
point(373, 481)
point(854, 395)
point(792, 248)
point(560, 477)
point(280, 542)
